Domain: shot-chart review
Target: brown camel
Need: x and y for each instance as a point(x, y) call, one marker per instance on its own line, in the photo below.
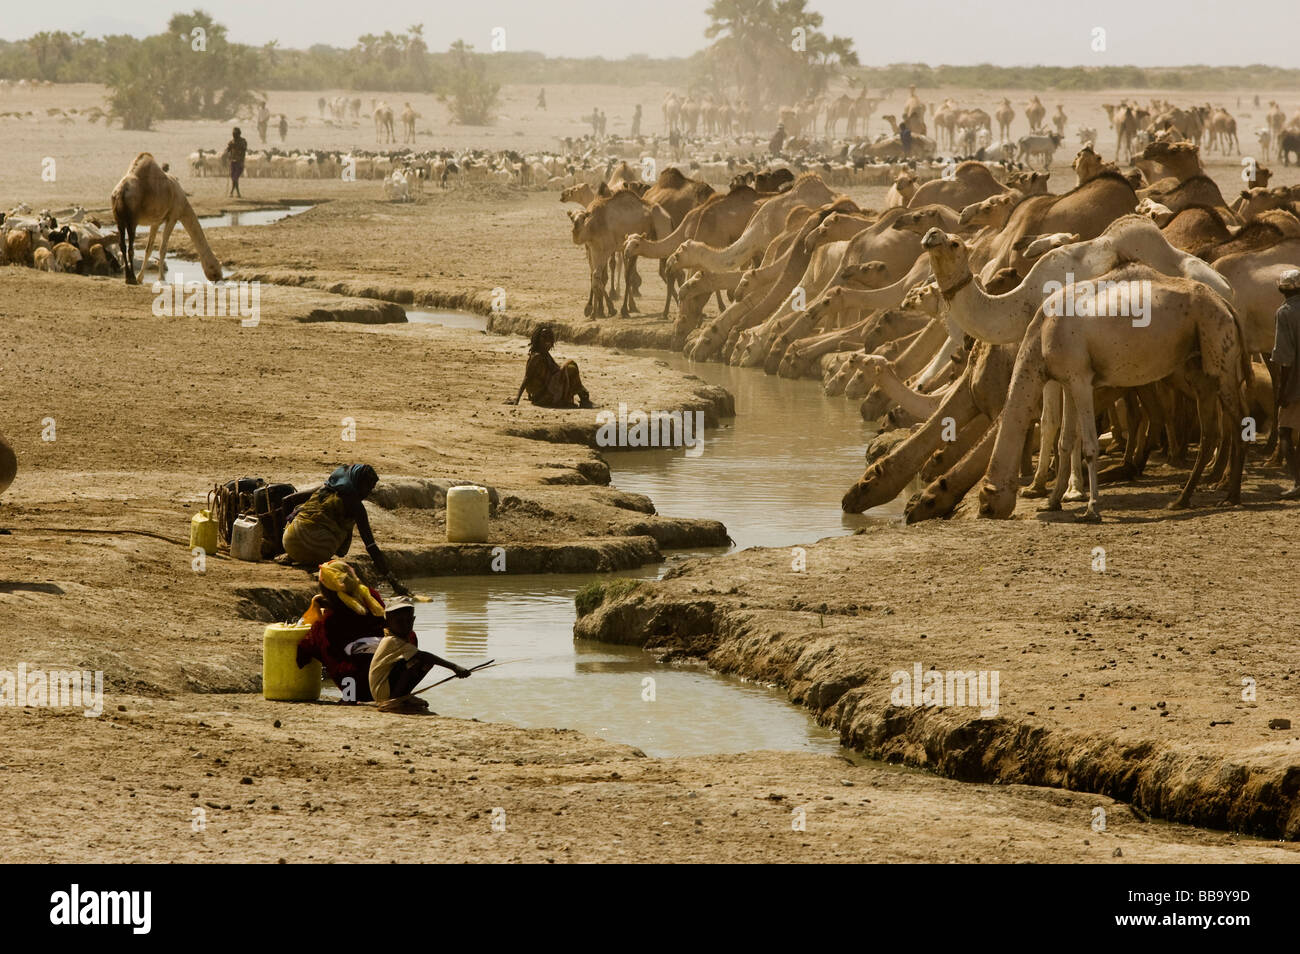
point(1085, 211)
point(602, 229)
point(148, 196)
point(718, 222)
point(971, 182)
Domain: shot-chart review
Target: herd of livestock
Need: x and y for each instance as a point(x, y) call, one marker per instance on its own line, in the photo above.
point(951, 309)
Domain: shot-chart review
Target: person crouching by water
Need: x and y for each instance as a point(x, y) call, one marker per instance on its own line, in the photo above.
point(369, 651)
point(548, 383)
point(1286, 355)
point(321, 522)
point(236, 150)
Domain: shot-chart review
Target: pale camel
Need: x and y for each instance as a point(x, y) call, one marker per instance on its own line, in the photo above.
point(409, 116)
point(672, 109)
point(1276, 120)
point(1002, 319)
point(1124, 119)
point(1035, 112)
point(383, 116)
point(1110, 351)
point(1059, 119)
point(1004, 114)
point(148, 196)
point(901, 190)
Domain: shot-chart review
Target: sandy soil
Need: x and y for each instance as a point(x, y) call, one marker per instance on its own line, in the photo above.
point(151, 411)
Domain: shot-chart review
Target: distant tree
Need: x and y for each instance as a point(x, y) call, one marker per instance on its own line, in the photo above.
point(773, 51)
point(469, 94)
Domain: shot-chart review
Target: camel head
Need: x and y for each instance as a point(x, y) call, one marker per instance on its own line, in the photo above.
point(858, 497)
point(920, 221)
point(991, 211)
point(867, 275)
point(1004, 280)
point(936, 500)
point(997, 503)
point(948, 257)
point(924, 297)
point(1157, 213)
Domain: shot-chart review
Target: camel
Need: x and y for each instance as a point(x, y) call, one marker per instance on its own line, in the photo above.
point(1223, 131)
point(808, 190)
point(1276, 120)
point(677, 194)
point(409, 116)
point(901, 190)
point(718, 222)
point(1110, 351)
point(603, 228)
point(860, 112)
point(1004, 114)
point(1059, 119)
point(8, 464)
point(1193, 228)
point(971, 182)
point(836, 110)
point(148, 196)
point(383, 116)
point(1124, 119)
point(1002, 319)
point(1035, 112)
point(979, 393)
point(923, 147)
point(672, 109)
point(1085, 210)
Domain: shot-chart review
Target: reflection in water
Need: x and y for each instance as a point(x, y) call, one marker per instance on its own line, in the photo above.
point(774, 474)
point(618, 693)
point(448, 319)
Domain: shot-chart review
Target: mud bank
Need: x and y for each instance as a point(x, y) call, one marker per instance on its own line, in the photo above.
point(1126, 683)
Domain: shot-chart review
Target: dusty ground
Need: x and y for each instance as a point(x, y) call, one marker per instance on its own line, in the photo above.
point(151, 411)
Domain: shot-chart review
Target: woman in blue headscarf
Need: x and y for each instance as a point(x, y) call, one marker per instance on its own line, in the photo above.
point(320, 525)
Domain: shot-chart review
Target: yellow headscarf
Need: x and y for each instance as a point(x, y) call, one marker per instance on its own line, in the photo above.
point(355, 595)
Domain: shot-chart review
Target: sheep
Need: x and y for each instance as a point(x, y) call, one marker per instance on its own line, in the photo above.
point(67, 257)
point(18, 247)
point(43, 260)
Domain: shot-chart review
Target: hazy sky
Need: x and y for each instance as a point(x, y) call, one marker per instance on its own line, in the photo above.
point(1004, 32)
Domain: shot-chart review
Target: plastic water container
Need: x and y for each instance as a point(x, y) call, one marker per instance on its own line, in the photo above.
point(246, 539)
point(282, 680)
point(203, 532)
point(467, 514)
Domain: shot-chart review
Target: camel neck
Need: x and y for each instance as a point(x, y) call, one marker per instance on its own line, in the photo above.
point(948, 293)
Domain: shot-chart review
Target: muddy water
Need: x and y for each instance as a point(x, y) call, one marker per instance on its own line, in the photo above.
point(189, 271)
point(774, 475)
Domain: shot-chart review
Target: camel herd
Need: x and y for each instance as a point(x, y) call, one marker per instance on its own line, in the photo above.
point(952, 312)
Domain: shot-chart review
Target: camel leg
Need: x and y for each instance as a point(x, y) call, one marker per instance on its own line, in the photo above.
point(162, 248)
point(941, 498)
point(148, 249)
point(1049, 429)
point(629, 287)
point(1205, 408)
point(1086, 416)
point(1068, 440)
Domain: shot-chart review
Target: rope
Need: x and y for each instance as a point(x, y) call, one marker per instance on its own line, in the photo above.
point(141, 533)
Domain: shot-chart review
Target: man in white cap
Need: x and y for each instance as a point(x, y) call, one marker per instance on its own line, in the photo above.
point(1286, 355)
